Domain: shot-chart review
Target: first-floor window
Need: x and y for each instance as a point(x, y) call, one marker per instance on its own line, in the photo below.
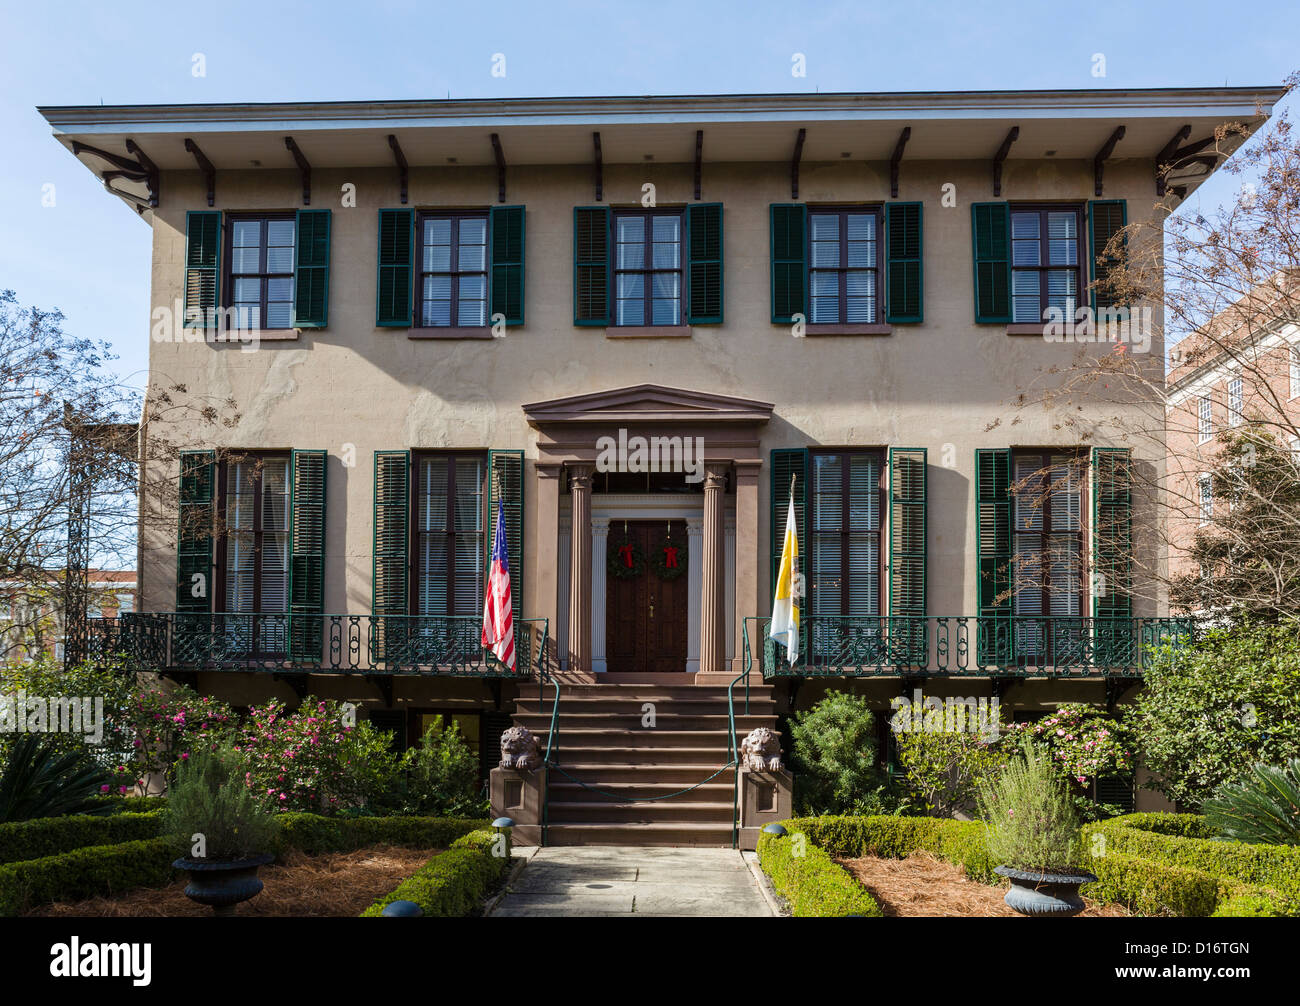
point(261, 271)
point(1047, 541)
point(448, 536)
point(648, 267)
point(453, 270)
point(844, 510)
point(255, 493)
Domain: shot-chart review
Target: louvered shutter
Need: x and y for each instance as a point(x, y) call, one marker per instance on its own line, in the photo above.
point(991, 250)
point(390, 552)
point(904, 278)
point(311, 270)
point(908, 554)
point(993, 548)
point(1112, 532)
point(202, 268)
point(789, 224)
point(1106, 218)
point(395, 257)
point(307, 559)
point(591, 270)
point(785, 463)
point(197, 490)
point(507, 230)
point(704, 263)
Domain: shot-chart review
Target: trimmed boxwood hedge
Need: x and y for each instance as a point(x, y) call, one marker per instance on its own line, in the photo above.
point(452, 883)
point(49, 836)
point(958, 842)
point(814, 884)
point(106, 869)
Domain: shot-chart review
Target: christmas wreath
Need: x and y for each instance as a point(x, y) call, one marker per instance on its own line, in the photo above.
point(669, 560)
point(625, 560)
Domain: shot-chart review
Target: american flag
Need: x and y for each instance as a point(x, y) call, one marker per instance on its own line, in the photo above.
point(498, 614)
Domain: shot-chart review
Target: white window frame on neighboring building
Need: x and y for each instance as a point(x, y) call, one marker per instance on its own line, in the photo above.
point(1236, 401)
point(1204, 419)
point(1295, 371)
point(1205, 498)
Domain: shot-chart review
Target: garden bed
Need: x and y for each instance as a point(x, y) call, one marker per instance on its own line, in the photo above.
point(921, 885)
point(327, 884)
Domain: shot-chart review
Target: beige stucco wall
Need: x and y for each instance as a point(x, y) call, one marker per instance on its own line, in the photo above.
point(947, 384)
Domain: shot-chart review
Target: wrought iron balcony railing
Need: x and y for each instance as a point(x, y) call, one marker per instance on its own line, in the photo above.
point(315, 644)
point(976, 646)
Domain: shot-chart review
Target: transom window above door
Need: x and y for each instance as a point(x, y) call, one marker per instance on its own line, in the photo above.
point(1046, 261)
point(648, 267)
point(843, 266)
point(453, 257)
point(261, 271)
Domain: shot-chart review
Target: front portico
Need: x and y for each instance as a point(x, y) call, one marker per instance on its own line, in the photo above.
point(574, 514)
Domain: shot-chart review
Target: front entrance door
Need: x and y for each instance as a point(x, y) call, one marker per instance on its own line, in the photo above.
point(645, 615)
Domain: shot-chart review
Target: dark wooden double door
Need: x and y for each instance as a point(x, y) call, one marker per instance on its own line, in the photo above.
point(645, 616)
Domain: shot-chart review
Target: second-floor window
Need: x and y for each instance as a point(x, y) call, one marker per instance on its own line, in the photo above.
point(1045, 262)
point(261, 271)
point(648, 268)
point(1204, 418)
point(843, 266)
point(453, 254)
point(447, 537)
point(1235, 401)
point(1205, 498)
point(1047, 558)
point(844, 533)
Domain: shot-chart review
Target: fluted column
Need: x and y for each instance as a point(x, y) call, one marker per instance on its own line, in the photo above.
point(712, 625)
point(580, 568)
point(694, 585)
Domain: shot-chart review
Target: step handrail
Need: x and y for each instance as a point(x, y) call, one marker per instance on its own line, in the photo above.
point(545, 677)
point(732, 750)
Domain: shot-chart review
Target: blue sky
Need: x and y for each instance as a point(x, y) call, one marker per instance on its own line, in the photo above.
point(89, 254)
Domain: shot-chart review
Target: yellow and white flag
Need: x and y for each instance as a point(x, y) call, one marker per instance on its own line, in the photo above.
point(789, 588)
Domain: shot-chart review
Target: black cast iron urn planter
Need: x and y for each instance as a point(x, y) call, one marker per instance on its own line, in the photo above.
point(223, 883)
point(1044, 895)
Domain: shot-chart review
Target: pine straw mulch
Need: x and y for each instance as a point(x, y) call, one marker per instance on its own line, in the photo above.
point(921, 885)
point(334, 884)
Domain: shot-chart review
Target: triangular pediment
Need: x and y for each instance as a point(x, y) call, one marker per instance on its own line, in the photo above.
point(648, 403)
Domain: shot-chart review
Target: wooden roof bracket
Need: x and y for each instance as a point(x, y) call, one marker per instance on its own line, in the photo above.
point(894, 161)
point(500, 156)
point(304, 169)
point(1012, 135)
point(1164, 159)
point(794, 164)
point(1099, 161)
point(400, 157)
point(699, 157)
point(209, 172)
point(600, 177)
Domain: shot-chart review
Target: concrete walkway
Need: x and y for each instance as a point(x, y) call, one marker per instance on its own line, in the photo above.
point(631, 881)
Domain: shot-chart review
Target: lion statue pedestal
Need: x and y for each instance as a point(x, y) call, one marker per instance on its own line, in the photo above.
point(766, 788)
point(517, 788)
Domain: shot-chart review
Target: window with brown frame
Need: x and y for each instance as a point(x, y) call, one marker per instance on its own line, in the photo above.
point(845, 503)
point(844, 265)
point(1046, 261)
point(453, 257)
point(1047, 573)
point(260, 256)
point(447, 534)
point(253, 551)
point(648, 267)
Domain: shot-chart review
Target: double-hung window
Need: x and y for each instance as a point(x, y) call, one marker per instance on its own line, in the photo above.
point(1047, 548)
point(1204, 418)
point(1235, 402)
point(261, 256)
point(453, 257)
point(1205, 497)
point(844, 507)
point(1295, 371)
point(447, 538)
point(844, 266)
point(254, 554)
point(1046, 257)
point(648, 267)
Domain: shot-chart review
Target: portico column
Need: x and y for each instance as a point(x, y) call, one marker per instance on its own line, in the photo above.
point(712, 625)
point(545, 600)
point(599, 543)
point(580, 568)
point(694, 583)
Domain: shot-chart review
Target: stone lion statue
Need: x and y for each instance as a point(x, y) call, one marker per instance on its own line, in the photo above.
point(519, 749)
point(761, 751)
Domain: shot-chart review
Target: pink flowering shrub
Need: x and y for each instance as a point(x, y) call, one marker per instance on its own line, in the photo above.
point(1085, 742)
point(168, 724)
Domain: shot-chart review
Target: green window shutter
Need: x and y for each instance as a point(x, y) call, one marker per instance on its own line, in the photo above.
point(1106, 218)
point(307, 555)
point(506, 484)
point(993, 549)
point(907, 531)
point(507, 234)
point(390, 563)
point(787, 463)
point(904, 280)
point(311, 270)
point(197, 493)
point(396, 254)
point(202, 267)
point(704, 263)
point(991, 245)
point(591, 269)
point(789, 224)
point(1112, 532)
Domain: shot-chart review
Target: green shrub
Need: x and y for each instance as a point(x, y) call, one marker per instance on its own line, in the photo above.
point(945, 768)
point(1205, 709)
point(454, 883)
point(40, 779)
point(132, 804)
point(814, 884)
point(1032, 823)
point(834, 753)
point(1263, 808)
point(314, 834)
point(85, 873)
point(442, 774)
point(961, 843)
point(209, 798)
point(50, 836)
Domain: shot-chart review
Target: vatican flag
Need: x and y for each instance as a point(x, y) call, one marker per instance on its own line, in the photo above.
point(785, 602)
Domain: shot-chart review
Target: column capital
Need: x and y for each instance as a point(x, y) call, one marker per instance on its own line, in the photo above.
point(715, 475)
point(694, 525)
point(600, 524)
point(580, 476)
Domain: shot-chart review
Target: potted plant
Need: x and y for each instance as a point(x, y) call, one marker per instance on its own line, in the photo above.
point(227, 833)
point(1033, 831)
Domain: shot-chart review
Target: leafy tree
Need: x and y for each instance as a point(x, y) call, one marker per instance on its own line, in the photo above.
point(834, 754)
point(442, 774)
point(1209, 708)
